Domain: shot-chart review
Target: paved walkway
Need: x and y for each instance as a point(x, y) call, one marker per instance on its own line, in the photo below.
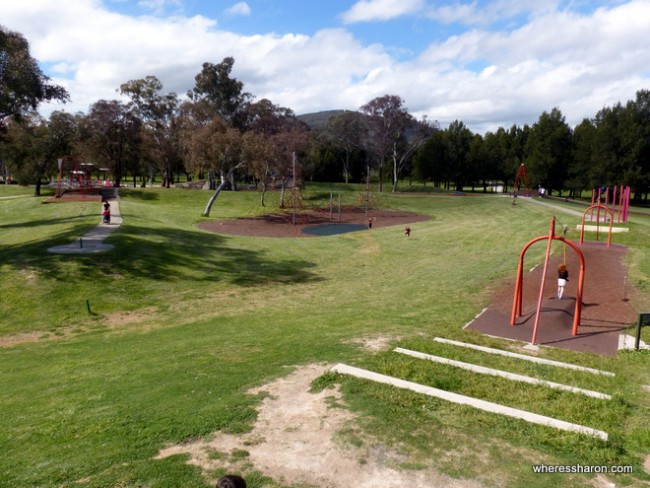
point(556, 207)
point(93, 240)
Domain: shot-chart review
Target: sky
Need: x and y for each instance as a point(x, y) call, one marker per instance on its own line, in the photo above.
point(487, 63)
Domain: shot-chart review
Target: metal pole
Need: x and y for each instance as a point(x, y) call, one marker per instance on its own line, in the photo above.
point(293, 165)
point(331, 204)
point(340, 206)
point(541, 289)
point(367, 186)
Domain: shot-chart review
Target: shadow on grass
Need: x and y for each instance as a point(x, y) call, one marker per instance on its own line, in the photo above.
point(132, 194)
point(51, 221)
point(172, 255)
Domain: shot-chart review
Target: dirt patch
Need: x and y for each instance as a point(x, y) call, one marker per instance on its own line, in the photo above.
point(375, 344)
point(297, 440)
point(283, 224)
point(24, 337)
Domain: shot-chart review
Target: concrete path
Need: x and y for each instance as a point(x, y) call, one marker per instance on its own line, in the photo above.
point(556, 207)
point(93, 241)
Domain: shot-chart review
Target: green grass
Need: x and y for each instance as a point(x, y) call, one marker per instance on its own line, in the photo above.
point(183, 322)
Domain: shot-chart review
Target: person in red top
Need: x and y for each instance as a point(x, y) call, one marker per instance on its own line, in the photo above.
point(407, 231)
point(562, 278)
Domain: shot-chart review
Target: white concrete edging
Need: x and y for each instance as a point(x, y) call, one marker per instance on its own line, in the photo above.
point(472, 402)
point(502, 374)
point(523, 356)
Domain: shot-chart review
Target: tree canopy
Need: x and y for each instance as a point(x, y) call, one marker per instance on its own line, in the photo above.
point(23, 85)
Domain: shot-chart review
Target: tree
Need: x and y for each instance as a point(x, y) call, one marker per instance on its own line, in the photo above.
point(637, 172)
point(111, 133)
point(583, 158)
point(280, 134)
point(216, 147)
point(225, 94)
point(386, 122)
point(23, 86)
point(549, 151)
point(430, 162)
point(413, 135)
point(343, 134)
point(459, 139)
point(159, 129)
point(35, 144)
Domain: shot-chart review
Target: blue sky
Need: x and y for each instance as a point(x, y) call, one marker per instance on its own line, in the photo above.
point(487, 63)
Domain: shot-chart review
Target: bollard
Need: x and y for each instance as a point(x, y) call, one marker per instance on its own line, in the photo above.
point(644, 320)
point(81, 242)
point(88, 307)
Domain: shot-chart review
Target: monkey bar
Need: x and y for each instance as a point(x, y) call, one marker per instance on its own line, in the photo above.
point(519, 285)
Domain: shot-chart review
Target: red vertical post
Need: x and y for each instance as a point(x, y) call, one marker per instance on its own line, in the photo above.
point(541, 288)
point(516, 303)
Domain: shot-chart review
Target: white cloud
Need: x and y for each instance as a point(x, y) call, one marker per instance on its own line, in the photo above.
point(158, 7)
point(486, 78)
point(240, 8)
point(368, 10)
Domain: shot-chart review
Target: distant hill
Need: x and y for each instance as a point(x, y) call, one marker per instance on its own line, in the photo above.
point(316, 120)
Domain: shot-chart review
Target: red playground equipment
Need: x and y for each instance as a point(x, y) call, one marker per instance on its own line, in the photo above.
point(74, 175)
point(519, 286)
point(522, 177)
point(611, 223)
point(617, 198)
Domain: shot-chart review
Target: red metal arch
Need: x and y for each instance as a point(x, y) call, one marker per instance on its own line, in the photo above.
point(611, 223)
point(519, 285)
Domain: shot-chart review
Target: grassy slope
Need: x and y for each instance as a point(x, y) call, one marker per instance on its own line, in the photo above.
point(184, 322)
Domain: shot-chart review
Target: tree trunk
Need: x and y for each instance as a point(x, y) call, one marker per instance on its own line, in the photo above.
point(282, 195)
point(213, 198)
point(263, 193)
point(395, 169)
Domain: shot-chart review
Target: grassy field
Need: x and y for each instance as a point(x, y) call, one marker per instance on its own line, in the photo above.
point(183, 322)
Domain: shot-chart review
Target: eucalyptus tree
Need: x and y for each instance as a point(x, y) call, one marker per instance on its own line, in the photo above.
point(34, 144)
point(158, 113)
point(386, 122)
point(281, 135)
point(343, 133)
point(215, 86)
point(23, 86)
point(111, 134)
point(211, 145)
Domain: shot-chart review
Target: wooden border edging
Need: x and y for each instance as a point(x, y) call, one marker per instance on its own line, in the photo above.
point(523, 356)
point(465, 400)
point(502, 374)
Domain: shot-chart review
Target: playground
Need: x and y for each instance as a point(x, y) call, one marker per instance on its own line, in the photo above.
point(202, 352)
point(606, 310)
point(312, 223)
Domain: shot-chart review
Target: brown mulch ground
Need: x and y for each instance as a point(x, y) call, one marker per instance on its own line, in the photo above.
point(77, 196)
point(605, 309)
point(281, 224)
